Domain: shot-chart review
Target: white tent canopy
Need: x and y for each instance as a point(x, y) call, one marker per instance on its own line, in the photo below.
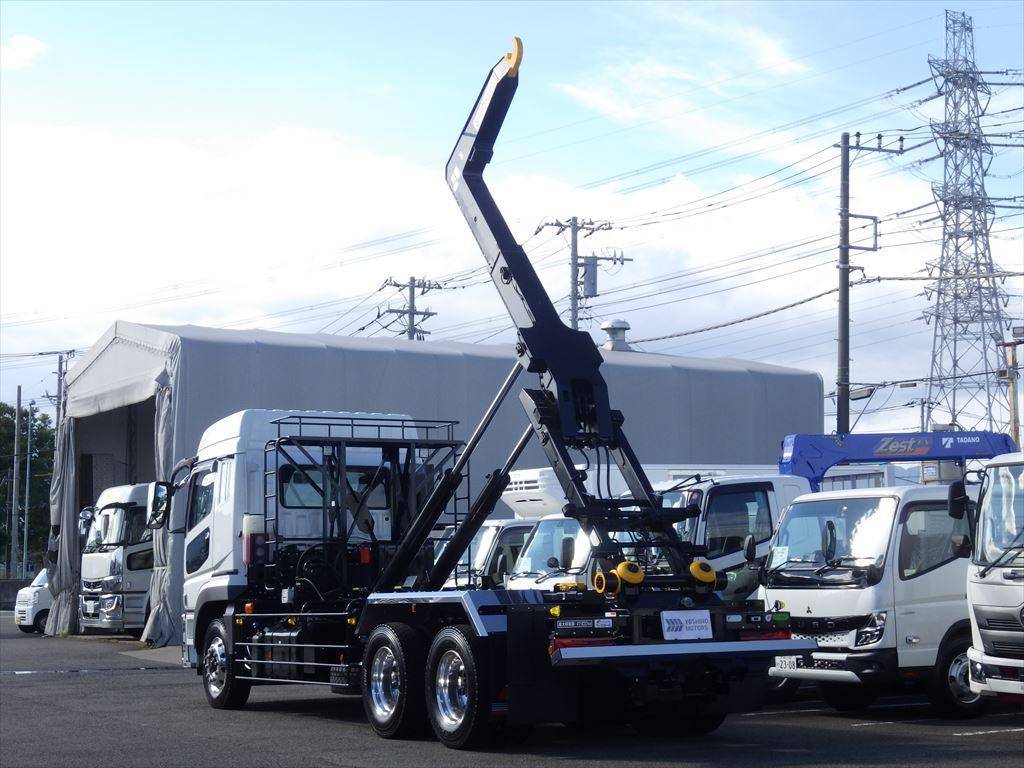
point(142, 396)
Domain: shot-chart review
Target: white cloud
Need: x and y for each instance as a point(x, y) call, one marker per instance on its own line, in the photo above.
point(20, 52)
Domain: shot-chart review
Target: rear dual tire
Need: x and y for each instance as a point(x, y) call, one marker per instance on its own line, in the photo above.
point(393, 696)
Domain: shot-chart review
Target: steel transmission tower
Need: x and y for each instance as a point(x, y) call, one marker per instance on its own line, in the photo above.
point(964, 388)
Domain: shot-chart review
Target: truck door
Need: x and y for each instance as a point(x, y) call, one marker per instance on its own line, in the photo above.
point(202, 489)
point(930, 585)
point(504, 552)
point(730, 513)
point(138, 567)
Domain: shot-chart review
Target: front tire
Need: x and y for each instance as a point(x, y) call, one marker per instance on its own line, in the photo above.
point(950, 690)
point(847, 697)
point(223, 690)
point(458, 696)
point(393, 681)
point(39, 625)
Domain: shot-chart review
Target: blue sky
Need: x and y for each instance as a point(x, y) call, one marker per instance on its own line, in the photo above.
point(229, 138)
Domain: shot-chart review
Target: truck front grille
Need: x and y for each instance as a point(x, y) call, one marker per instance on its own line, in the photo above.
point(1006, 624)
point(1008, 650)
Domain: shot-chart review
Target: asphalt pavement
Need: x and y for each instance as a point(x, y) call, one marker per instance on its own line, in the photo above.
point(92, 701)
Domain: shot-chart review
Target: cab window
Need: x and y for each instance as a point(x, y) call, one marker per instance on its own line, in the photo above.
point(201, 496)
point(733, 513)
point(925, 538)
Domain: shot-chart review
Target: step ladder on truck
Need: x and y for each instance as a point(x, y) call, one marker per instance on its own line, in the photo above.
point(651, 644)
point(875, 575)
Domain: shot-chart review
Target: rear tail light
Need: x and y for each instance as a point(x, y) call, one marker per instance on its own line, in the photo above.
point(778, 634)
point(255, 549)
point(577, 642)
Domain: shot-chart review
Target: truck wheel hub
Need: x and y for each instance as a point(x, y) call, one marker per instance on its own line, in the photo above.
point(450, 690)
point(215, 664)
point(956, 678)
point(385, 683)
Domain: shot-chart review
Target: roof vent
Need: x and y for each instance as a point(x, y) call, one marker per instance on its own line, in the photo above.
point(616, 330)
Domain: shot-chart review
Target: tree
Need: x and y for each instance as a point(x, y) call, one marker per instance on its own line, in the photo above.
point(41, 467)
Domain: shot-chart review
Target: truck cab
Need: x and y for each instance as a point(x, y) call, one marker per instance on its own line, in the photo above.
point(491, 554)
point(874, 577)
point(244, 503)
point(117, 561)
point(723, 511)
point(995, 582)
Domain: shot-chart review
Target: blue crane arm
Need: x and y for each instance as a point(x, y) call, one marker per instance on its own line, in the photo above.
point(811, 456)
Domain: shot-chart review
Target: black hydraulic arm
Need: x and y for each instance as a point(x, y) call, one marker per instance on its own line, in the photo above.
point(571, 409)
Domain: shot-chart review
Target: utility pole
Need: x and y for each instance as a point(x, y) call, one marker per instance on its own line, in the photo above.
point(28, 487)
point(843, 334)
point(575, 226)
point(412, 332)
point(13, 531)
point(1012, 374)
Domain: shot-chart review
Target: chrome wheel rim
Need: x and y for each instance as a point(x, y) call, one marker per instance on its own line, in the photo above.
point(215, 663)
point(958, 682)
point(450, 694)
point(385, 683)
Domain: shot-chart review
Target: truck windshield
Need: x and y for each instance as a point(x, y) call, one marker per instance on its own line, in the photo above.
point(1001, 517)
point(547, 542)
point(477, 549)
point(863, 526)
point(116, 526)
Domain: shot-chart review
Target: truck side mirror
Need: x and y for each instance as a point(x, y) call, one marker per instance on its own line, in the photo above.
point(158, 504)
point(828, 541)
point(85, 518)
point(957, 500)
point(749, 548)
point(962, 546)
point(568, 551)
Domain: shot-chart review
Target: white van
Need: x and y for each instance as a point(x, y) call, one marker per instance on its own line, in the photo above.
point(32, 605)
point(723, 512)
point(874, 577)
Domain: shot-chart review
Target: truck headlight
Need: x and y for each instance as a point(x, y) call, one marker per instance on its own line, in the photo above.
point(977, 672)
point(111, 584)
point(110, 604)
point(872, 632)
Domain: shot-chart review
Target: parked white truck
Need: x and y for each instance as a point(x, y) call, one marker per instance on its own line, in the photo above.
point(721, 512)
point(117, 561)
point(873, 575)
point(995, 577)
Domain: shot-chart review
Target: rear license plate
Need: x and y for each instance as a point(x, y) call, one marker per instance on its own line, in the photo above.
point(686, 625)
point(786, 662)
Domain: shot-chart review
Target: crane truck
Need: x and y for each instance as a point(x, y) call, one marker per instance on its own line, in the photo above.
point(320, 565)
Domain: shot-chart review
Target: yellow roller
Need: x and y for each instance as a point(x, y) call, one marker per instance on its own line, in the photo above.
point(629, 572)
point(702, 571)
point(607, 583)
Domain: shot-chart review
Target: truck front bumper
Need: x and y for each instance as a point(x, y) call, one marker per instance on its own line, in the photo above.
point(101, 611)
point(855, 667)
point(995, 676)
